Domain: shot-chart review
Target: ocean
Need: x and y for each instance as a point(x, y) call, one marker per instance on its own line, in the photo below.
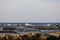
point(30, 27)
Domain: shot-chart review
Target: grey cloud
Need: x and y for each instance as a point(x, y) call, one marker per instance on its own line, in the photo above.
point(29, 11)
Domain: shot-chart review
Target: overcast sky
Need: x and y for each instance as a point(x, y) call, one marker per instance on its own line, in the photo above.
point(29, 11)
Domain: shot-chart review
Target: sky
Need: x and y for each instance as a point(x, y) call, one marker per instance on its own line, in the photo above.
point(30, 11)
